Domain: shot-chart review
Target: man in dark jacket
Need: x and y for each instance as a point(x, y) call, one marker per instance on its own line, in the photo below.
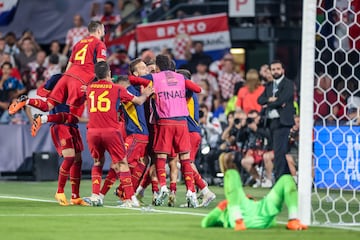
point(278, 98)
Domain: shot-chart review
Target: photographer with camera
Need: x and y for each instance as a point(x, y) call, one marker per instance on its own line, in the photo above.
point(255, 147)
point(233, 137)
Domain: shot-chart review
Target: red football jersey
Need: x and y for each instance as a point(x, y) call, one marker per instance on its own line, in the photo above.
point(104, 99)
point(83, 58)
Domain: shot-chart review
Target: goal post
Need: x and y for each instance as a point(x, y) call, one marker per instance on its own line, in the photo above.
point(306, 110)
point(329, 147)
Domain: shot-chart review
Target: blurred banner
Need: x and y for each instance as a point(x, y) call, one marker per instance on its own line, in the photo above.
point(337, 157)
point(177, 35)
point(7, 11)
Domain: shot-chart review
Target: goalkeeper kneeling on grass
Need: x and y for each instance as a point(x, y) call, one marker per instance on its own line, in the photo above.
point(240, 212)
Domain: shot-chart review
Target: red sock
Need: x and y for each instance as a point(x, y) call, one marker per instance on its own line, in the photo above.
point(199, 182)
point(126, 184)
point(187, 171)
point(172, 186)
point(109, 181)
point(96, 175)
point(39, 104)
point(160, 171)
point(64, 172)
point(155, 186)
point(137, 173)
point(75, 177)
point(146, 180)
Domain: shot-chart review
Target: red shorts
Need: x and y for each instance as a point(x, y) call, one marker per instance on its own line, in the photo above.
point(195, 141)
point(171, 134)
point(136, 145)
point(256, 154)
point(65, 137)
point(68, 90)
point(106, 139)
point(122, 130)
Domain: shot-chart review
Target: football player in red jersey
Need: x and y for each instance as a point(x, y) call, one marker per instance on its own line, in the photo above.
point(79, 73)
point(104, 99)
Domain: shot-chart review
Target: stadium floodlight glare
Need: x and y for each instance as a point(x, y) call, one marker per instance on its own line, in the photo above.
point(237, 51)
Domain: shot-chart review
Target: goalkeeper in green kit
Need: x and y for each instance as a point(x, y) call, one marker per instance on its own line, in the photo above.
point(239, 212)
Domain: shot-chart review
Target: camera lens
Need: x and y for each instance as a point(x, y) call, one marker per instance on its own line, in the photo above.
point(201, 114)
point(237, 120)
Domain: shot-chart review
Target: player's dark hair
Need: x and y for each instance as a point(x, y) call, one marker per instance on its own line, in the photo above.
point(93, 26)
point(133, 64)
point(186, 73)
point(163, 62)
point(172, 65)
point(276, 61)
point(102, 70)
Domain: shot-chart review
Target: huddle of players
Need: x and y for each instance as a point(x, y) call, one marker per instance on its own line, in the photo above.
point(172, 109)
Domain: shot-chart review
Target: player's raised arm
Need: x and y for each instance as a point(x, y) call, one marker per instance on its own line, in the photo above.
point(192, 86)
point(134, 80)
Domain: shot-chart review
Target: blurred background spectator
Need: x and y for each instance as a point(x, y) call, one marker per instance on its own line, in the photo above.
point(78, 32)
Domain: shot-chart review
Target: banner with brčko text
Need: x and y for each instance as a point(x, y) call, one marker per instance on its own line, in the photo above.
point(178, 34)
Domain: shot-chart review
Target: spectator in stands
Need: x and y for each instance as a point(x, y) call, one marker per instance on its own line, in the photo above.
point(248, 95)
point(265, 74)
point(204, 96)
point(26, 55)
point(119, 62)
point(55, 50)
point(216, 66)
point(2, 46)
point(29, 34)
point(151, 66)
point(231, 103)
point(127, 7)
point(37, 69)
point(147, 55)
point(10, 88)
point(53, 67)
point(325, 99)
point(227, 79)
point(78, 32)
point(202, 73)
point(108, 17)
point(197, 56)
point(14, 71)
point(11, 46)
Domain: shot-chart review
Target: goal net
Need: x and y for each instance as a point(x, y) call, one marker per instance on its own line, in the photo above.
point(334, 195)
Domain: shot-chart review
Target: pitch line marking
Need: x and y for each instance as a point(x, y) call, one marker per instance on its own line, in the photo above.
point(157, 211)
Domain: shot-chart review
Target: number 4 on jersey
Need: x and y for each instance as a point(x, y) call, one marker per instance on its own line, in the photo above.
point(81, 54)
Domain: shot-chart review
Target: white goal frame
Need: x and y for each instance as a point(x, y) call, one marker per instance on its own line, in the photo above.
point(306, 110)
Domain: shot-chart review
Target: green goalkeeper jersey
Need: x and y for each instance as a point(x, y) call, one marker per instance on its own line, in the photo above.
point(256, 214)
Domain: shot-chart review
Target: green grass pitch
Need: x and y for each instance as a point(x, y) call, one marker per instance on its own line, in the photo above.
point(24, 216)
